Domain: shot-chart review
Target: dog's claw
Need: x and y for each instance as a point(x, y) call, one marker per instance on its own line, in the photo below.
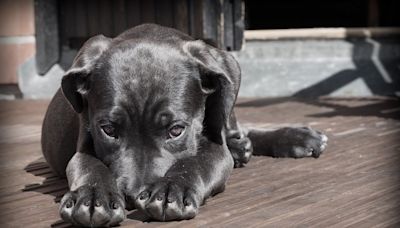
point(299, 142)
point(240, 147)
point(87, 207)
point(168, 201)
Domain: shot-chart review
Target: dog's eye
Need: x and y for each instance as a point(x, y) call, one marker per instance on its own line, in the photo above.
point(109, 130)
point(175, 131)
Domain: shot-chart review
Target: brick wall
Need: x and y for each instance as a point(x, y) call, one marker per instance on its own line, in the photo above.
point(17, 41)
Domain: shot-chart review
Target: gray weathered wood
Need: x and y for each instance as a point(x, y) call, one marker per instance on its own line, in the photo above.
point(228, 32)
point(238, 24)
point(105, 17)
point(148, 11)
point(81, 13)
point(164, 12)
point(47, 39)
point(93, 18)
point(181, 15)
point(119, 16)
point(133, 13)
point(355, 182)
point(218, 22)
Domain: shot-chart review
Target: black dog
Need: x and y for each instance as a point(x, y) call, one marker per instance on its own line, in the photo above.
point(146, 121)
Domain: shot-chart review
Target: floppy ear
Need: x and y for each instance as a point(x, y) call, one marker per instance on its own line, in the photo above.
point(220, 80)
point(74, 83)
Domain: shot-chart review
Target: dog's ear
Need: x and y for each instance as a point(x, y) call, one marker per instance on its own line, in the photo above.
point(74, 83)
point(220, 80)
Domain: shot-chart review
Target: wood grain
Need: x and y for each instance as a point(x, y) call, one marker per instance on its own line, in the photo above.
point(355, 183)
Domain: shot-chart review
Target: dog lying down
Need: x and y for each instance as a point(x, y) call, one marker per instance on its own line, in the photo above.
point(145, 120)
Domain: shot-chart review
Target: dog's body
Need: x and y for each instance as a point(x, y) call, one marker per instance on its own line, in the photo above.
point(146, 121)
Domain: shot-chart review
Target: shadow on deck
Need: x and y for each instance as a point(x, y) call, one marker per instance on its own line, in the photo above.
point(356, 182)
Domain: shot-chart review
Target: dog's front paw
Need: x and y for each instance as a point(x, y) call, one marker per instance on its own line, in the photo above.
point(92, 206)
point(240, 147)
point(299, 142)
point(168, 200)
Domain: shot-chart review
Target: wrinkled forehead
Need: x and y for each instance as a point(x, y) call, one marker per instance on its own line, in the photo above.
point(145, 74)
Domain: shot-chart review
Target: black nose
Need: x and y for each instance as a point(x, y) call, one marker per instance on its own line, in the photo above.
point(130, 202)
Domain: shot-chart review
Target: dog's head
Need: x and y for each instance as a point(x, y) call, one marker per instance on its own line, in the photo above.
point(146, 100)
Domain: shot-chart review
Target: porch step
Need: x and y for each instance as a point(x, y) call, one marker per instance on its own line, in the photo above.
point(320, 67)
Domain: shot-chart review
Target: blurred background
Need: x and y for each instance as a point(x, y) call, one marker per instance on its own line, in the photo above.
point(305, 48)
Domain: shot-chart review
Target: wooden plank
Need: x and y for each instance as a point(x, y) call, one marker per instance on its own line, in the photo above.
point(119, 17)
point(133, 13)
point(105, 17)
point(47, 38)
point(148, 11)
point(228, 25)
point(181, 15)
point(238, 24)
point(164, 12)
point(81, 19)
point(196, 18)
point(94, 27)
point(218, 23)
point(211, 20)
point(67, 17)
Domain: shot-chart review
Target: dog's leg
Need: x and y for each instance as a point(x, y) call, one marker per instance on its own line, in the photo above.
point(187, 184)
point(93, 199)
point(285, 142)
point(238, 143)
point(296, 142)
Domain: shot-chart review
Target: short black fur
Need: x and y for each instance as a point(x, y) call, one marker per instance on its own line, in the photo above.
point(145, 120)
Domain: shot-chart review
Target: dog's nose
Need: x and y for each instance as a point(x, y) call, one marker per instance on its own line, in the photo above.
point(130, 202)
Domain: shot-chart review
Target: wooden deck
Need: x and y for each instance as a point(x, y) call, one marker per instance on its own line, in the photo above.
point(356, 182)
